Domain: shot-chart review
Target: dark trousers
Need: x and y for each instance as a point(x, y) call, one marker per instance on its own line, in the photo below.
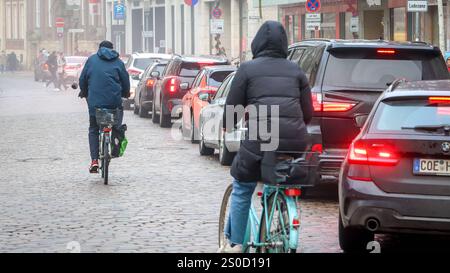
point(94, 142)
point(2, 68)
point(53, 79)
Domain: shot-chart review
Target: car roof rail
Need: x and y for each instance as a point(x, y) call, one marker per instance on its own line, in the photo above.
point(317, 40)
point(395, 84)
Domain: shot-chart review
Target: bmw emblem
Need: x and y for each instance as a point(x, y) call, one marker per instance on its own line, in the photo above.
point(445, 147)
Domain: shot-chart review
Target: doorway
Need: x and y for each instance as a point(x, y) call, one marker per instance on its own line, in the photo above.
point(373, 24)
point(137, 26)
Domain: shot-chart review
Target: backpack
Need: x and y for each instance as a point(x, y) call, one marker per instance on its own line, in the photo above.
point(118, 141)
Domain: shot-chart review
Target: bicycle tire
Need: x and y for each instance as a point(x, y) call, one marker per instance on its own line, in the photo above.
point(263, 230)
point(106, 160)
point(224, 212)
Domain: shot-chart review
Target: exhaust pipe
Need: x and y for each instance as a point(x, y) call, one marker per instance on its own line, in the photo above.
point(372, 224)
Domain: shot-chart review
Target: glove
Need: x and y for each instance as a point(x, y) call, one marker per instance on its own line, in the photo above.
point(82, 94)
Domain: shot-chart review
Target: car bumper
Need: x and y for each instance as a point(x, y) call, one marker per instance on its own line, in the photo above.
point(395, 213)
point(175, 106)
point(330, 162)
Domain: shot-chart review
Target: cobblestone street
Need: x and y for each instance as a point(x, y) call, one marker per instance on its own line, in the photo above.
point(162, 197)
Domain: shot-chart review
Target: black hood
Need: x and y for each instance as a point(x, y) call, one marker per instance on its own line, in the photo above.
point(270, 41)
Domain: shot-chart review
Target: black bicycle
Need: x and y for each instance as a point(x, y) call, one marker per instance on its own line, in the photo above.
point(106, 120)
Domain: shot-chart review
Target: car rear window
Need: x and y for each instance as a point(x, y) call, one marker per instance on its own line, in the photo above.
point(142, 63)
point(160, 68)
point(218, 77)
point(75, 60)
point(394, 116)
point(370, 69)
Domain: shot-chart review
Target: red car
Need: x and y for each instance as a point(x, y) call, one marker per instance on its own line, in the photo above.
point(203, 88)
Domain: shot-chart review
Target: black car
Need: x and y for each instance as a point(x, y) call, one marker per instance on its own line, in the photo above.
point(346, 79)
point(176, 80)
point(396, 175)
point(144, 90)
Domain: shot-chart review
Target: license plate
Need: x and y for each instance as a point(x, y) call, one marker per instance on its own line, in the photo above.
point(431, 167)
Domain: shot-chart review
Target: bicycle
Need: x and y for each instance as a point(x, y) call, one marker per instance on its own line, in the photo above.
point(106, 120)
point(276, 230)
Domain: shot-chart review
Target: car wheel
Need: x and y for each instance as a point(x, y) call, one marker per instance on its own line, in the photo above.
point(136, 108)
point(225, 157)
point(143, 112)
point(203, 150)
point(164, 119)
point(194, 132)
point(353, 239)
point(155, 117)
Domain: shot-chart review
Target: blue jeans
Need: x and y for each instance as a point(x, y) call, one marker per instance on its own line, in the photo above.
point(94, 134)
point(241, 199)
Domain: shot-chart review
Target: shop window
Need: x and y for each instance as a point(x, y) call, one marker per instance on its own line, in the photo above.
point(328, 26)
point(398, 24)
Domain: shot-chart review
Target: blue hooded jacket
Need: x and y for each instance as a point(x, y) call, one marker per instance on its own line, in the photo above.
point(105, 80)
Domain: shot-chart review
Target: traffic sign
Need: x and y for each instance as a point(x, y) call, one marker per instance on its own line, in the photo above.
point(216, 13)
point(312, 5)
point(217, 26)
point(191, 2)
point(59, 22)
point(417, 6)
point(119, 10)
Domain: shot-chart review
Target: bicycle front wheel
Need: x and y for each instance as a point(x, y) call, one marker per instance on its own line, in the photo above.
point(277, 233)
point(224, 214)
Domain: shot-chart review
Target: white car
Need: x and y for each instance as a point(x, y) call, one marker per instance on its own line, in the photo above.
point(136, 65)
point(73, 67)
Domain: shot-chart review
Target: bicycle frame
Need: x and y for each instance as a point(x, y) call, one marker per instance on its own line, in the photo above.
point(254, 222)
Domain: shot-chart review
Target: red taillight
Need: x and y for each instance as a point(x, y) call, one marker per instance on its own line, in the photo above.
point(133, 72)
point(386, 51)
point(172, 85)
point(439, 99)
point(292, 192)
point(296, 222)
point(372, 153)
point(259, 193)
point(149, 82)
point(317, 148)
point(330, 106)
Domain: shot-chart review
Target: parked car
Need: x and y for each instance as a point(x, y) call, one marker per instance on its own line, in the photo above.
point(176, 80)
point(136, 65)
point(144, 90)
point(203, 88)
point(211, 134)
point(74, 66)
point(395, 177)
point(346, 78)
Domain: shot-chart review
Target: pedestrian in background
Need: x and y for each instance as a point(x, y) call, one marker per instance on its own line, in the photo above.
point(12, 62)
point(61, 61)
point(52, 63)
point(3, 58)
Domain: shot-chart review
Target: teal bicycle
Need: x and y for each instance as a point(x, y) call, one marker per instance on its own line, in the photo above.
point(276, 228)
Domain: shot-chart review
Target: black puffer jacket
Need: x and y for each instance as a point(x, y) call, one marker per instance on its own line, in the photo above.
point(270, 79)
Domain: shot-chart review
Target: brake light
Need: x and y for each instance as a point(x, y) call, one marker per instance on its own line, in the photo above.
point(172, 85)
point(317, 148)
point(386, 51)
point(439, 99)
point(149, 83)
point(330, 106)
point(133, 72)
point(292, 192)
point(372, 153)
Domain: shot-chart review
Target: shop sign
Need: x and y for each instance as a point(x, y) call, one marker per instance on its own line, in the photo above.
point(417, 6)
point(312, 26)
point(313, 17)
point(217, 26)
point(354, 24)
point(147, 34)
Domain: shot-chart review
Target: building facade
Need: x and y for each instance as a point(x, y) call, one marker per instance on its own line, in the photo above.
point(14, 28)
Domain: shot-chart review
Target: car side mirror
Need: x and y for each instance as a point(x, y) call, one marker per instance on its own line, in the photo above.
point(184, 86)
point(155, 74)
point(136, 77)
point(360, 120)
point(204, 97)
point(74, 85)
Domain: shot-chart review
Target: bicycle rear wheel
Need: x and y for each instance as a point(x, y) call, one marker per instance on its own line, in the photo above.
point(105, 159)
point(224, 214)
point(278, 234)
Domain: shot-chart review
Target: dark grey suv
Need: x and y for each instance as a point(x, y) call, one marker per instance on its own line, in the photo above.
point(396, 175)
point(346, 78)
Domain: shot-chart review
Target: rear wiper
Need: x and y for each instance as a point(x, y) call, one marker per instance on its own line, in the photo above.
point(430, 128)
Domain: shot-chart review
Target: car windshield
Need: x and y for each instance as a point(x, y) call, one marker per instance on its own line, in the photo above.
point(142, 63)
point(406, 114)
point(217, 78)
point(370, 69)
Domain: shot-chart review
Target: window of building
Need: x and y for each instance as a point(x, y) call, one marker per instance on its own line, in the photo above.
point(328, 26)
point(15, 24)
point(21, 18)
point(37, 22)
point(50, 8)
point(8, 21)
point(398, 24)
point(182, 28)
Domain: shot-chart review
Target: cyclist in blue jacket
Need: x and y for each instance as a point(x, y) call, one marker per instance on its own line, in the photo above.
point(104, 81)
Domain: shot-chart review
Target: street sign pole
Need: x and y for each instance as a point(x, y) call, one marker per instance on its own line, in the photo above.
point(417, 26)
